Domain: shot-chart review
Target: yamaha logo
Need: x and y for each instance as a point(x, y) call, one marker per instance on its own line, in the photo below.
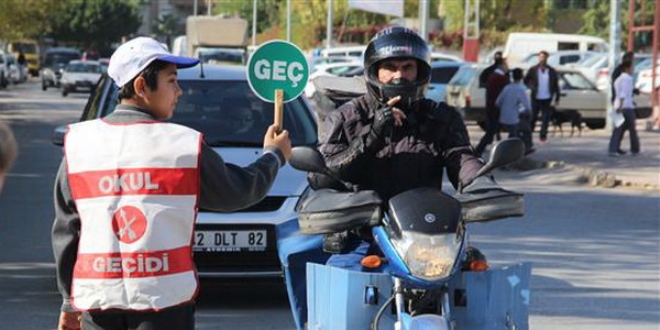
point(430, 218)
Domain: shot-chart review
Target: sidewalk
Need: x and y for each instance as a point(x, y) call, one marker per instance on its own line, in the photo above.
point(588, 155)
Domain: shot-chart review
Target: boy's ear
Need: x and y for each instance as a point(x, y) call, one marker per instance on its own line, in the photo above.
point(139, 85)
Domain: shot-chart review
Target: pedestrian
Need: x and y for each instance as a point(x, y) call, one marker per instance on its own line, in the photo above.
point(497, 62)
point(390, 140)
point(494, 86)
point(136, 181)
point(8, 151)
point(628, 56)
point(543, 80)
point(624, 105)
point(514, 105)
point(22, 62)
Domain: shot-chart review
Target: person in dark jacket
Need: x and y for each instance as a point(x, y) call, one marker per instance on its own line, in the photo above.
point(497, 62)
point(494, 86)
point(135, 181)
point(543, 80)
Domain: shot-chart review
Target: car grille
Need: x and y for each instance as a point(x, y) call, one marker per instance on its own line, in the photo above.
point(268, 204)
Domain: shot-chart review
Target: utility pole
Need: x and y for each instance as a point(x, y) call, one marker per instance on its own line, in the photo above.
point(615, 46)
point(423, 19)
point(254, 23)
point(328, 29)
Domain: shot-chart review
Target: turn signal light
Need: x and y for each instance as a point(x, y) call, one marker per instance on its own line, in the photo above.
point(479, 266)
point(371, 261)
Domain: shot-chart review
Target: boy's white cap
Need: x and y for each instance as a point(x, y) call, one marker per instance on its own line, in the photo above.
point(136, 54)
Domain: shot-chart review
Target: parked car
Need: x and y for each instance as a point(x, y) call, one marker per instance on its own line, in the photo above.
point(333, 69)
point(241, 244)
point(442, 57)
point(577, 93)
point(441, 74)
point(4, 70)
point(558, 58)
point(55, 60)
point(640, 62)
point(80, 75)
point(644, 77)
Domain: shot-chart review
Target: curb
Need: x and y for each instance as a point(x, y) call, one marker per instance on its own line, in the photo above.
point(598, 178)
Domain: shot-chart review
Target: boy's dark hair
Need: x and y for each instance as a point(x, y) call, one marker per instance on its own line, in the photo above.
point(517, 74)
point(544, 53)
point(150, 75)
point(625, 65)
point(628, 56)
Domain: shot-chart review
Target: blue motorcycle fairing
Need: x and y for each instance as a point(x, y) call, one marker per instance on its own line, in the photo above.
point(295, 250)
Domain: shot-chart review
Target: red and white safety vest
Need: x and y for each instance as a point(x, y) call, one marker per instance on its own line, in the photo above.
point(136, 188)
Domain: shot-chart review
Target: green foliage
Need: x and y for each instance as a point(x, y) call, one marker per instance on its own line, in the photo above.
point(95, 23)
point(597, 22)
point(25, 18)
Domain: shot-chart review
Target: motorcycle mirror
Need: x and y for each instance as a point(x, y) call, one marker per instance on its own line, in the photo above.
point(504, 152)
point(307, 159)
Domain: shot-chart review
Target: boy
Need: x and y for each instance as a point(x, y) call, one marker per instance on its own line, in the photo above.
point(135, 182)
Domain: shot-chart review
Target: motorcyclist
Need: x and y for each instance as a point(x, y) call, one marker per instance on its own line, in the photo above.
point(392, 139)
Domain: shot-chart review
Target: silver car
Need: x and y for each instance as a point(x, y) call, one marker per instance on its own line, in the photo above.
point(244, 243)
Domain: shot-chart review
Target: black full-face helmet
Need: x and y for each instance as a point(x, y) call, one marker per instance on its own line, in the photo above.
point(397, 42)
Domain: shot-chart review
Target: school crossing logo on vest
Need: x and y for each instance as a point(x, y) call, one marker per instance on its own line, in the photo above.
point(136, 189)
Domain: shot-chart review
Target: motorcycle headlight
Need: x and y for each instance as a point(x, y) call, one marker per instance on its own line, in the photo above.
point(431, 257)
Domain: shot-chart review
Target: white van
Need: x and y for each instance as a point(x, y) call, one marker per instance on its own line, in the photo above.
point(520, 44)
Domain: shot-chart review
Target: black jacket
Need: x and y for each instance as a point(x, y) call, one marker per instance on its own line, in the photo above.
point(433, 138)
point(532, 81)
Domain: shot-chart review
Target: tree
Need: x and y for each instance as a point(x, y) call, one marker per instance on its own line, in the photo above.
point(95, 24)
point(26, 18)
point(597, 22)
point(168, 26)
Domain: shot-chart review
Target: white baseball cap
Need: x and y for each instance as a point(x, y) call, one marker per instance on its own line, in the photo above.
point(136, 54)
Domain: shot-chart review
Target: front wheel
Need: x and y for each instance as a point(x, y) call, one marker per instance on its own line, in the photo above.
point(44, 85)
point(65, 92)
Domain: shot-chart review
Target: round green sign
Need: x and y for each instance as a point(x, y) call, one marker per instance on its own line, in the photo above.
point(276, 65)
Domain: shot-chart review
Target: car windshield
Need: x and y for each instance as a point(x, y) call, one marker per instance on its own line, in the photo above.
point(574, 80)
point(442, 75)
point(83, 67)
point(591, 61)
point(228, 113)
point(463, 76)
point(60, 58)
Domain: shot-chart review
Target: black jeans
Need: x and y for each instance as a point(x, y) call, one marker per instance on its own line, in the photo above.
point(628, 125)
point(541, 107)
point(173, 318)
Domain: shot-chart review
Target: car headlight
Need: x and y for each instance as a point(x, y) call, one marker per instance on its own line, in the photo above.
point(431, 257)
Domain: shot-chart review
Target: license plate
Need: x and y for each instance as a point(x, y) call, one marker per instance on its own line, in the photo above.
point(231, 241)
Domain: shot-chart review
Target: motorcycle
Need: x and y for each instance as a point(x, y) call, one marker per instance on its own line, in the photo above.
point(426, 276)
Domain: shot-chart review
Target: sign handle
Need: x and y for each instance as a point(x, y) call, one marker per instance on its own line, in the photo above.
point(279, 109)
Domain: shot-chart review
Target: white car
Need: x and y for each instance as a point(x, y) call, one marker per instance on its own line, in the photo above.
point(80, 75)
point(645, 79)
point(330, 69)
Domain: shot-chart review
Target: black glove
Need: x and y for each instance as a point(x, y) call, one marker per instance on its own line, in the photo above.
point(383, 122)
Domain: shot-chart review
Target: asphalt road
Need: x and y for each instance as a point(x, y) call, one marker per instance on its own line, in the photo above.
point(595, 252)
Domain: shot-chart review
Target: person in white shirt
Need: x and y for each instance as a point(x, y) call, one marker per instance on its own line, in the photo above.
point(513, 103)
point(623, 104)
point(543, 80)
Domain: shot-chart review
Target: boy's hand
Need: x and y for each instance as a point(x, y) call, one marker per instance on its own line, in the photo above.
point(69, 321)
point(278, 140)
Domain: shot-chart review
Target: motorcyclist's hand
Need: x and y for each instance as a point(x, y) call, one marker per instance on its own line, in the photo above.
point(399, 116)
point(69, 321)
point(279, 140)
point(385, 118)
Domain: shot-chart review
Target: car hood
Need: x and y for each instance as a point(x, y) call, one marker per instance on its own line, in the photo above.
point(289, 181)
